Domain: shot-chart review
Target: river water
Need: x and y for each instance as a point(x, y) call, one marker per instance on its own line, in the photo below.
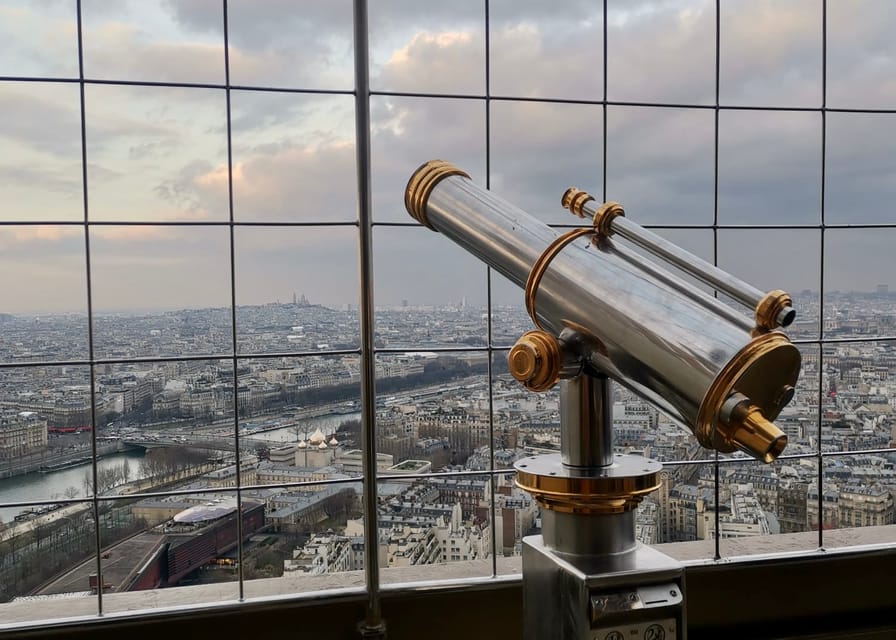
point(47, 486)
point(327, 424)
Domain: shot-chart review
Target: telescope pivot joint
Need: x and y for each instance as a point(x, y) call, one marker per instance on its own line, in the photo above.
point(539, 360)
point(535, 360)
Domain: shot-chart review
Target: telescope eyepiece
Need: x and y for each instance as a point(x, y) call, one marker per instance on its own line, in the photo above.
point(748, 429)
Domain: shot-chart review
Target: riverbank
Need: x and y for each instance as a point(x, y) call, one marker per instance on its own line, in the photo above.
point(141, 485)
point(61, 460)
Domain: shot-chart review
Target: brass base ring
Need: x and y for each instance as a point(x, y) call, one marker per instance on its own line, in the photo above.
point(614, 489)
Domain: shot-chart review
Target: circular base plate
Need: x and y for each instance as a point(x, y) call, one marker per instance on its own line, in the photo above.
point(612, 489)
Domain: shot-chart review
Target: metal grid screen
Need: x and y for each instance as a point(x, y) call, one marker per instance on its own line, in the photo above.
point(605, 140)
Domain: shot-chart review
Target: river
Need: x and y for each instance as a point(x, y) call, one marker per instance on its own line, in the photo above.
point(327, 424)
point(46, 486)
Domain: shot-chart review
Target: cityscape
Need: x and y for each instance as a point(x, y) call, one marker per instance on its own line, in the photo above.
point(170, 454)
point(204, 202)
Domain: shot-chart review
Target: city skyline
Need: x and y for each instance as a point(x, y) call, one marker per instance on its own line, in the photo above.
point(438, 415)
point(352, 306)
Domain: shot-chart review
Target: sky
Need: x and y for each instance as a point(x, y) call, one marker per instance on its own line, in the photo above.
point(159, 154)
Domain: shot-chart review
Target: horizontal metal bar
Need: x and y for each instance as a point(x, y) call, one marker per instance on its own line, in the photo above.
point(354, 223)
point(706, 227)
point(841, 454)
point(845, 340)
point(451, 96)
point(183, 85)
point(423, 347)
point(339, 352)
point(180, 358)
point(176, 223)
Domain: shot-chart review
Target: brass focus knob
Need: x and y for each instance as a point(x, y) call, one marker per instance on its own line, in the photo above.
point(535, 360)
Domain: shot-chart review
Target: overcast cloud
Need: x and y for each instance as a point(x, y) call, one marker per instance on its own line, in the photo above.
point(160, 154)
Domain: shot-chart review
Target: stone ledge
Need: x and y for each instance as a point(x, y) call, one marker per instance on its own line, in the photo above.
point(31, 613)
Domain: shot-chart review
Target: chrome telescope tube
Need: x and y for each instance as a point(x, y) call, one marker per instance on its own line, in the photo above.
point(679, 349)
point(772, 309)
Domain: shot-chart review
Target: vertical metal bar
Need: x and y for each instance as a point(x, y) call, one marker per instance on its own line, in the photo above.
point(824, 101)
point(604, 163)
point(488, 299)
point(235, 380)
point(715, 248)
point(90, 348)
point(373, 621)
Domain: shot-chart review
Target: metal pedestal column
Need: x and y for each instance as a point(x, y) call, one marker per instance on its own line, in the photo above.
point(586, 577)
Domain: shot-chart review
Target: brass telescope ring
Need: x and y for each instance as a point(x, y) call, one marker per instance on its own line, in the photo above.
point(541, 265)
point(421, 184)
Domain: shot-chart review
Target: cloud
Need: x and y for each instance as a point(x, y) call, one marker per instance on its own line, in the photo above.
point(293, 161)
point(769, 167)
point(786, 69)
point(664, 55)
point(859, 259)
point(442, 62)
point(298, 183)
point(861, 55)
point(64, 179)
point(39, 233)
point(131, 234)
point(273, 263)
point(530, 59)
point(146, 145)
point(159, 267)
point(116, 51)
point(861, 168)
point(40, 163)
point(44, 118)
point(160, 154)
point(39, 41)
point(44, 268)
point(278, 42)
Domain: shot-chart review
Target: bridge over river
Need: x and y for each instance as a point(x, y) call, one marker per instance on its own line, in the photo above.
point(197, 441)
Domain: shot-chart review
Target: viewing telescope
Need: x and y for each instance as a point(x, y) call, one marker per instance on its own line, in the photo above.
point(671, 343)
point(604, 311)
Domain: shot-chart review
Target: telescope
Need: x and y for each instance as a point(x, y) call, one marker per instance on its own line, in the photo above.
point(604, 311)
